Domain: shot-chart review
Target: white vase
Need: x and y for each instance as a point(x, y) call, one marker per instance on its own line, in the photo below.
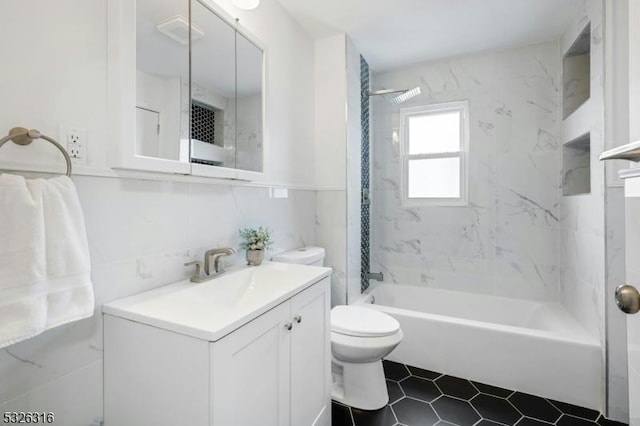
point(255, 257)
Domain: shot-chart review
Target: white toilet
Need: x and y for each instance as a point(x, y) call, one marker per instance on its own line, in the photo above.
point(360, 338)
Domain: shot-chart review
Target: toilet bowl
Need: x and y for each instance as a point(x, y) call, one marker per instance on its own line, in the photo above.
point(360, 338)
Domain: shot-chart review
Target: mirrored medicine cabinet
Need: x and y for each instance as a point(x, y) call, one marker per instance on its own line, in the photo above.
point(187, 96)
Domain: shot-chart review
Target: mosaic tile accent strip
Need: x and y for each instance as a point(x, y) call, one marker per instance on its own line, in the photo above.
point(365, 157)
point(420, 397)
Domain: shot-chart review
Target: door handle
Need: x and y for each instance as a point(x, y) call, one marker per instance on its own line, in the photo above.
point(628, 299)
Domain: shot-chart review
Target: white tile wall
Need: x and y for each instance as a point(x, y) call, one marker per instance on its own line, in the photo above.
point(338, 162)
point(331, 232)
point(583, 216)
point(140, 235)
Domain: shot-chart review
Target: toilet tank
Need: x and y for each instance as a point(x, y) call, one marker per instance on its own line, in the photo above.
point(302, 256)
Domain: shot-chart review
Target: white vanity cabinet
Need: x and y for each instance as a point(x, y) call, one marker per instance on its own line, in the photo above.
point(273, 369)
point(267, 374)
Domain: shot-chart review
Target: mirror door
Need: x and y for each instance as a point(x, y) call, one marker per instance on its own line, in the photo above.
point(249, 105)
point(162, 76)
point(213, 89)
point(226, 97)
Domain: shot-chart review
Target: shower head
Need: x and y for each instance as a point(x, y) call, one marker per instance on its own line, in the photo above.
point(405, 94)
point(408, 94)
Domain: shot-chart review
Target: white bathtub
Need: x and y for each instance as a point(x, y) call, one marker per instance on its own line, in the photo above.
point(532, 347)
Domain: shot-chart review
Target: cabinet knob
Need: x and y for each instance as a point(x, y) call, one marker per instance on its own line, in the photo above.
point(298, 319)
point(288, 326)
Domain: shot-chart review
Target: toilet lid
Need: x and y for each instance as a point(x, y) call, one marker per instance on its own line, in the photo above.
point(362, 322)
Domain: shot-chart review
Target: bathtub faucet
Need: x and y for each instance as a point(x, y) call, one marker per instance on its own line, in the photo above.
point(378, 276)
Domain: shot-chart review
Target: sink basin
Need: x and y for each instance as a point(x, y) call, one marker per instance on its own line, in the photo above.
point(215, 308)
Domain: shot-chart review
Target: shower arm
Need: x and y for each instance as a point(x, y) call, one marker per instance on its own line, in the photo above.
point(405, 94)
point(385, 92)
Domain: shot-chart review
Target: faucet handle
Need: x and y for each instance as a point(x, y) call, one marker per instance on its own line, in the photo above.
point(198, 272)
point(216, 254)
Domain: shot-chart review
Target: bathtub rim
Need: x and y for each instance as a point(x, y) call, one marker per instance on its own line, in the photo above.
point(586, 340)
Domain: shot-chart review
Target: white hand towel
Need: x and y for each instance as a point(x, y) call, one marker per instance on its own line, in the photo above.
point(45, 272)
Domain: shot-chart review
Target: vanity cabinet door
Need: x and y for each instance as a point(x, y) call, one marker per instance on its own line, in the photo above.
point(153, 377)
point(311, 357)
point(275, 370)
point(250, 372)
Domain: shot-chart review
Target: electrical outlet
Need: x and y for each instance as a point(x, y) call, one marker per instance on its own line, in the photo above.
point(76, 140)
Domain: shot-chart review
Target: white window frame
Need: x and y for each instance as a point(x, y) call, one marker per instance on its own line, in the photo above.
point(463, 154)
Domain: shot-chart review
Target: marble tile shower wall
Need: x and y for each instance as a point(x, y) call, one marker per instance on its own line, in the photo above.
point(506, 241)
point(583, 217)
point(140, 234)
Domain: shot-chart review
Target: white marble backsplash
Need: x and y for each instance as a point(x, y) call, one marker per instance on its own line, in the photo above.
point(506, 240)
point(140, 235)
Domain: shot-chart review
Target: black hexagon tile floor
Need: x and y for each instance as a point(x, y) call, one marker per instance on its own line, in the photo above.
point(420, 397)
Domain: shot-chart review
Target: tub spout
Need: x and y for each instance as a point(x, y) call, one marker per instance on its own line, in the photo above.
point(378, 276)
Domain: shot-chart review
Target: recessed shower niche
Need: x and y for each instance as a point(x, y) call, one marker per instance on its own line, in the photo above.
point(576, 73)
point(576, 166)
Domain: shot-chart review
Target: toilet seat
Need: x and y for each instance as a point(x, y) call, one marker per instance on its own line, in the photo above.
point(362, 322)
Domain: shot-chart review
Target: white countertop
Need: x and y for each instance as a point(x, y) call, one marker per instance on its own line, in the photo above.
point(215, 308)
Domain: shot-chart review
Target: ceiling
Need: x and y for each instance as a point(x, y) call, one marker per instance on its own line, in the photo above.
point(394, 33)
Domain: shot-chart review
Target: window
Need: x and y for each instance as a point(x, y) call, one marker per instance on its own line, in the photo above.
point(434, 142)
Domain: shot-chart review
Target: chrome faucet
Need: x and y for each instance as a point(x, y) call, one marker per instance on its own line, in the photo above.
point(216, 254)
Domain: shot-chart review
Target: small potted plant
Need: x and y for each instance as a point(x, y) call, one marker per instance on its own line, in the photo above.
point(256, 242)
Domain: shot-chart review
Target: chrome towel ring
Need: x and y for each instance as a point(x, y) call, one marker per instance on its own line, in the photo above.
point(22, 136)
